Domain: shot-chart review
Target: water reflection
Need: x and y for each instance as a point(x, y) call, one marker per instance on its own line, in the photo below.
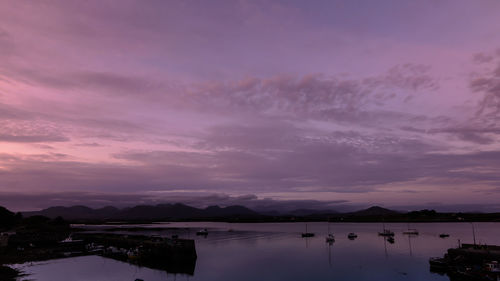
point(277, 252)
point(330, 256)
point(410, 236)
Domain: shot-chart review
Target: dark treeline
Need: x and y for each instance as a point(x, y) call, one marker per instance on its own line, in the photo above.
point(8, 219)
point(18, 233)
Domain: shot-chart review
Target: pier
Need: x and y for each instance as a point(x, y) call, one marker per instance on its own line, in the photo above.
point(469, 262)
point(171, 255)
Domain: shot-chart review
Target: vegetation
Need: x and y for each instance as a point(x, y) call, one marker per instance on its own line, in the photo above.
point(8, 274)
point(8, 219)
point(34, 231)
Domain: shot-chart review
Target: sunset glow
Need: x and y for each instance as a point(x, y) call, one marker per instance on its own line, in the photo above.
point(267, 104)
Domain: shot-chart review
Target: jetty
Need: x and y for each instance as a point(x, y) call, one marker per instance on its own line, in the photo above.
point(469, 262)
point(173, 255)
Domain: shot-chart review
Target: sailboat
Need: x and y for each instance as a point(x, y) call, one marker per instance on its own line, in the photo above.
point(385, 232)
point(330, 238)
point(307, 234)
point(352, 236)
point(411, 231)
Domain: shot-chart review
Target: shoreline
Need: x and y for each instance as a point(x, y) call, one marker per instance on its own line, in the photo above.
point(80, 224)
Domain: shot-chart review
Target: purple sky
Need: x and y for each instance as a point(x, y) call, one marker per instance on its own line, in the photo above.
point(268, 104)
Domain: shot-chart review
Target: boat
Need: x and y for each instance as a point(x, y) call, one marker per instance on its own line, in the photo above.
point(386, 232)
point(329, 238)
point(133, 254)
point(469, 262)
point(307, 234)
point(410, 231)
point(94, 248)
point(438, 264)
point(390, 239)
point(444, 235)
point(492, 266)
point(67, 240)
point(70, 240)
point(352, 236)
point(203, 232)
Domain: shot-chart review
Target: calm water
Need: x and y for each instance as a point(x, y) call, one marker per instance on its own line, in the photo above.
point(275, 251)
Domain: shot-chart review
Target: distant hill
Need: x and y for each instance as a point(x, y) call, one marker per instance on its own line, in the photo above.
point(143, 212)
point(4, 213)
point(237, 213)
point(158, 212)
point(180, 211)
point(7, 218)
point(216, 211)
point(75, 212)
point(309, 212)
point(374, 211)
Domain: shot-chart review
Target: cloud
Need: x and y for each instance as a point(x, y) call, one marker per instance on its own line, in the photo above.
point(31, 138)
point(314, 96)
point(91, 81)
point(414, 77)
point(489, 85)
point(93, 144)
point(29, 131)
point(12, 112)
point(477, 134)
point(286, 160)
point(245, 98)
point(483, 58)
point(17, 201)
point(36, 201)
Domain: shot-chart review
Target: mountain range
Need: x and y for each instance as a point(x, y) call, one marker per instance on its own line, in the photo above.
point(144, 212)
point(181, 211)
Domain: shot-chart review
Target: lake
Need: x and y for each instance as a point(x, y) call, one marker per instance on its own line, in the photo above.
point(276, 251)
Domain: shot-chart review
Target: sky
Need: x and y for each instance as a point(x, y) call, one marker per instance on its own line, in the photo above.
point(269, 104)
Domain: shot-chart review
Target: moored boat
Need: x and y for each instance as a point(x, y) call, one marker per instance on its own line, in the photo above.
point(352, 236)
point(203, 232)
point(330, 238)
point(411, 231)
point(386, 232)
point(307, 234)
